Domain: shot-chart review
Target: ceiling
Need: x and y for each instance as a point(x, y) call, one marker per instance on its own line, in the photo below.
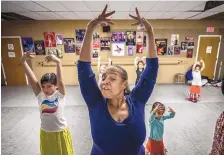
point(86, 9)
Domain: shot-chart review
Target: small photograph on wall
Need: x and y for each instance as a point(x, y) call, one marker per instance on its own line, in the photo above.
point(96, 40)
point(77, 49)
point(118, 37)
point(161, 46)
point(39, 47)
point(49, 39)
point(130, 51)
point(96, 52)
point(105, 44)
point(170, 50)
point(189, 53)
point(117, 49)
point(69, 45)
point(96, 37)
point(28, 45)
point(56, 51)
point(80, 33)
point(131, 37)
point(144, 41)
point(174, 39)
point(189, 39)
point(184, 46)
point(139, 37)
point(176, 50)
point(59, 39)
point(139, 48)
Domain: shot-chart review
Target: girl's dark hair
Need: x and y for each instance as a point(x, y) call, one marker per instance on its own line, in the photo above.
point(157, 103)
point(198, 66)
point(49, 77)
point(124, 76)
point(140, 62)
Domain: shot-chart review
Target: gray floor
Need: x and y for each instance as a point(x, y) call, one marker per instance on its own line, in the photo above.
point(189, 133)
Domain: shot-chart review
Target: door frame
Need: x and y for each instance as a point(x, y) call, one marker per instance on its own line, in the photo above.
point(21, 45)
point(217, 56)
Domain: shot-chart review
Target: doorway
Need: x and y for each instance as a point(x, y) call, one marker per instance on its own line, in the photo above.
point(11, 55)
point(208, 50)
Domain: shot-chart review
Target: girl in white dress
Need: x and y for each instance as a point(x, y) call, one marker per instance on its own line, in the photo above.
point(195, 88)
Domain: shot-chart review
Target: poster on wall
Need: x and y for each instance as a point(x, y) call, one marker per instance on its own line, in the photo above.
point(39, 47)
point(77, 49)
point(56, 51)
point(49, 39)
point(105, 44)
point(118, 37)
point(80, 33)
point(139, 48)
point(130, 51)
point(96, 52)
point(161, 46)
point(190, 49)
point(184, 46)
point(59, 39)
point(144, 41)
point(174, 39)
point(96, 40)
point(170, 50)
point(117, 49)
point(189, 53)
point(189, 39)
point(131, 37)
point(176, 50)
point(28, 45)
point(69, 45)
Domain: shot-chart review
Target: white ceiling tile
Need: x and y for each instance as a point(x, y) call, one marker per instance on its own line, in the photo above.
point(143, 5)
point(120, 15)
point(203, 15)
point(142, 14)
point(169, 15)
point(8, 7)
point(219, 8)
point(85, 15)
point(29, 5)
point(153, 15)
point(121, 5)
point(50, 15)
point(67, 15)
point(186, 5)
point(96, 6)
point(75, 5)
point(186, 15)
point(52, 5)
point(164, 6)
point(200, 7)
point(33, 15)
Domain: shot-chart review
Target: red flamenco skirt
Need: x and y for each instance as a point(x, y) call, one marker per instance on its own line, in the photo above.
point(194, 94)
point(155, 147)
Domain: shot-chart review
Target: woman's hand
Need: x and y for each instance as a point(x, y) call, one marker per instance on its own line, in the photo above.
point(141, 22)
point(102, 18)
point(52, 58)
point(26, 56)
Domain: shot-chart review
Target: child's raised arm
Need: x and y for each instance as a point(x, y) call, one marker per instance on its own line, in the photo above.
point(203, 65)
point(171, 114)
point(29, 73)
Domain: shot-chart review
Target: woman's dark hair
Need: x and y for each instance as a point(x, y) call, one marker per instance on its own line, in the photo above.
point(49, 77)
point(138, 64)
point(157, 103)
point(124, 76)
